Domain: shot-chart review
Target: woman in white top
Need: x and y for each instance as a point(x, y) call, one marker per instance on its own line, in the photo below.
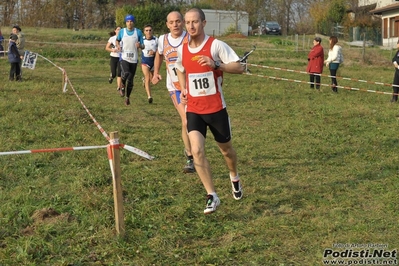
point(114, 57)
point(333, 60)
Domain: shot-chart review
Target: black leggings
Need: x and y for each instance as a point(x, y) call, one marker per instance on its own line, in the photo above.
point(115, 68)
point(395, 88)
point(333, 74)
point(127, 75)
point(312, 79)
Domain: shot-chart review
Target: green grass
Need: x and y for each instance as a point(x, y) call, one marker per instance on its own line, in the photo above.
point(318, 168)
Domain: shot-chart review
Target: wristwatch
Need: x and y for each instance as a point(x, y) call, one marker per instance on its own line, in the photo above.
point(217, 65)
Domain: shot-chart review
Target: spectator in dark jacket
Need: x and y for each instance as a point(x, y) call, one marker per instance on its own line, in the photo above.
point(21, 39)
point(315, 63)
point(20, 43)
point(395, 85)
point(14, 58)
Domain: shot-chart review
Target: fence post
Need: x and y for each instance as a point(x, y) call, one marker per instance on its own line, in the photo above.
point(63, 80)
point(364, 47)
point(114, 157)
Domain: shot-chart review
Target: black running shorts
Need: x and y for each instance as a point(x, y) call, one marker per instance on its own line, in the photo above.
point(218, 123)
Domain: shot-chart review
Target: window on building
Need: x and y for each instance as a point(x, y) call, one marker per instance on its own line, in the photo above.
point(394, 27)
point(385, 28)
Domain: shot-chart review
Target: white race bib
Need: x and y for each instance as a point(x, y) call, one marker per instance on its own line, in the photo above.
point(173, 72)
point(129, 55)
point(201, 84)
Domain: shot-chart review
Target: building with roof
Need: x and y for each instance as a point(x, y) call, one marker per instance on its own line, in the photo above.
point(388, 11)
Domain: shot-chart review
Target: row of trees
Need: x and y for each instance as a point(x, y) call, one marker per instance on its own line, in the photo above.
point(295, 16)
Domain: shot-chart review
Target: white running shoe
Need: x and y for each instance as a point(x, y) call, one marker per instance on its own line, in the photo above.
point(237, 190)
point(211, 204)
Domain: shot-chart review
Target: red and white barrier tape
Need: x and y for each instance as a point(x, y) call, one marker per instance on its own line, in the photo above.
point(104, 133)
point(137, 151)
point(328, 85)
point(126, 147)
point(53, 150)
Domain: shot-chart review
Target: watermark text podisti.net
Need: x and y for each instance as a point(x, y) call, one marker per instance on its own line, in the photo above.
point(360, 254)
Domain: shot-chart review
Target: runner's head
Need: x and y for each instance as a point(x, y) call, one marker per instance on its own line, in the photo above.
point(175, 23)
point(130, 20)
point(148, 31)
point(195, 22)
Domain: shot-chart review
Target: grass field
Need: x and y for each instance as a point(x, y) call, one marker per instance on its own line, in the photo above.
point(319, 169)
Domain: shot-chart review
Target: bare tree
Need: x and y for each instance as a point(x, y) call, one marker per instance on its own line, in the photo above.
point(301, 22)
point(8, 9)
point(293, 15)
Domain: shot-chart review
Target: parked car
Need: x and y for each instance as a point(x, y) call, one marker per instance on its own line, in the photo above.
point(271, 27)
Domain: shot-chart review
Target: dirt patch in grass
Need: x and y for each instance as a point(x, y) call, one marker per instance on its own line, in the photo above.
point(45, 216)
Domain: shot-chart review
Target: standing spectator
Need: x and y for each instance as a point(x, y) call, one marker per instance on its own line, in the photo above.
point(147, 58)
point(334, 59)
point(132, 39)
point(21, 39)
point(315, 63)
point(395, 87)
point(167, 51)
point(14, 58)
point(114, 58)
point(20, 44)
point(200, 65)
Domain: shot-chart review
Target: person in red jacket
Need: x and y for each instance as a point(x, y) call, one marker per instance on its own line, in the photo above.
point(315, 63)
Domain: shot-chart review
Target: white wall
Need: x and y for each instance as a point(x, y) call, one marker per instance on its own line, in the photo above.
point(389, 41)
point(218, 21)
point(380, 3)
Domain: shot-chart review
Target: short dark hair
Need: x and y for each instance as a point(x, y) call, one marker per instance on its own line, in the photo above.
point(177, 12)
point(17, 27)
point(199, 11)
point(317, 39)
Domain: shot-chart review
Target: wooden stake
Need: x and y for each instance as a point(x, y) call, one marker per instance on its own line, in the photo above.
point(116, 180)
